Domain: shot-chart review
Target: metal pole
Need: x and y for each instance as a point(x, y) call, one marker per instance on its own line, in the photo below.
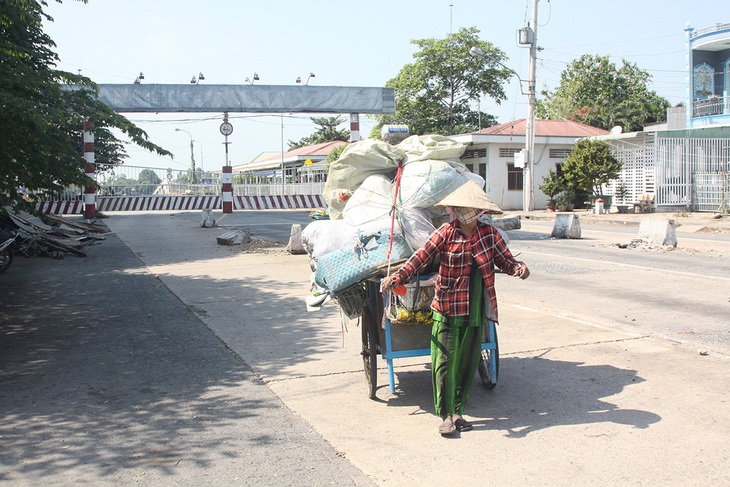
point(527, 186)
point(282, 155)
point(192, 160)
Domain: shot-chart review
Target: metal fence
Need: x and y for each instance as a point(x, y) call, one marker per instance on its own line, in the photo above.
point(692, 172)
point(127, 180)
point(682, 172)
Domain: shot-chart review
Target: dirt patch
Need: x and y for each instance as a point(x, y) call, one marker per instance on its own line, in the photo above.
point(261, 246)
point(714, 230)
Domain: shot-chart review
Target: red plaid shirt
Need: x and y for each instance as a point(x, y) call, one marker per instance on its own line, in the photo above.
point(457, 253)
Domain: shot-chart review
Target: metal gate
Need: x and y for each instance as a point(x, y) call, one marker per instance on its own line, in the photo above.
point(711, 192)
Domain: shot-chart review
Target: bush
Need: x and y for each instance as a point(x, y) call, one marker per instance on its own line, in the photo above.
point(589, 166)
point(552, 184)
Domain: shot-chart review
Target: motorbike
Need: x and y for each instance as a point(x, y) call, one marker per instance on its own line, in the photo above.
point(7, 239)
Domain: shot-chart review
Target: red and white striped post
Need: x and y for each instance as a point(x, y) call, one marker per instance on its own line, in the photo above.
point(89, 170)
point(227, 189)
point(354, 127)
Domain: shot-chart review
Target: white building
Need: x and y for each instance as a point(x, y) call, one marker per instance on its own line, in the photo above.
point(491, 153)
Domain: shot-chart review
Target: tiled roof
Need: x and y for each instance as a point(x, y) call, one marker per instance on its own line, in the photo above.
point(320, 150)
point(556, 128)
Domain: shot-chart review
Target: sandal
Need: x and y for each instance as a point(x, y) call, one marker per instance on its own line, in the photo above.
point(463, 425)
point(447, 428)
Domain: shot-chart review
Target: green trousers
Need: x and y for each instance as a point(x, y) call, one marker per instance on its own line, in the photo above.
point(456, 345)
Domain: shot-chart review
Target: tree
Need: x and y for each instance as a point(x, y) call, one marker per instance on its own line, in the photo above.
point(148, 176)
point(435, 93)
point(335, 154)
point(43, 111)
point(327, 132)
point(594, 92)
point(589, 165)
point(552, 184)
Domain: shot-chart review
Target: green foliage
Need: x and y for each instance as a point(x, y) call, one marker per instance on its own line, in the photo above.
point(561, 202)
point(327, 132)
point(434, 94)
point(43, 114)
point(335, 154)
point(552, 184)
point(594, 92)
point(590, 165)
point(622, 192)
point(148, 176)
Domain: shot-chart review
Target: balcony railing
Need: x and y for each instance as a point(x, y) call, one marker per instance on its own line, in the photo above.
point(714, 105)
point(707, 30)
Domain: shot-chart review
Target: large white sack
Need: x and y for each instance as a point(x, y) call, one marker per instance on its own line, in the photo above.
point(324, 236)
point(425, 183)
point(371, 201)
point(358, 161)
point(422, 147)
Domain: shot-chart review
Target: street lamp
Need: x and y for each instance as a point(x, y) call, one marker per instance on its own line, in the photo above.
point(299, 78)
point(527, 183)
point(192, 155)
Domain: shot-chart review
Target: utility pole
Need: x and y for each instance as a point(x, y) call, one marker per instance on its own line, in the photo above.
point(528, 173)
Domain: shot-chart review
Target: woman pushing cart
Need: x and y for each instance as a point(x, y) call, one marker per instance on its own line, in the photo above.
point(465, 297)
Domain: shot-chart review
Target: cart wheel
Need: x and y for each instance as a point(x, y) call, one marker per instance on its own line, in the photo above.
point(490, 357)
point(370, 351)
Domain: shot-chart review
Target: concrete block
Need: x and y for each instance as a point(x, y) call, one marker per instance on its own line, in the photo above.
point(567, 225)
point(658, 231)
point(234, 237)
point(207, 220)
point(295, 245)
point(513, 223)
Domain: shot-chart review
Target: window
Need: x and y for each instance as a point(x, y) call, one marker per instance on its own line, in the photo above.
point(514, 178)
point(559, 153)
point(474, 153)
point(508, 152)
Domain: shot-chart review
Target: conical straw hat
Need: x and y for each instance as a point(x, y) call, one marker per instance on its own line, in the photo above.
point(470, 195)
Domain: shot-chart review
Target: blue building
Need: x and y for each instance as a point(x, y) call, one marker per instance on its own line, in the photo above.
point(708, 76)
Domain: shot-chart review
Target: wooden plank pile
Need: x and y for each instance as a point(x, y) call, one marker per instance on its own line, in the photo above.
point(55, 237)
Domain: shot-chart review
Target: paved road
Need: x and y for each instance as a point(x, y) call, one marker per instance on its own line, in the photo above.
point(584, 398)
point(681, 294)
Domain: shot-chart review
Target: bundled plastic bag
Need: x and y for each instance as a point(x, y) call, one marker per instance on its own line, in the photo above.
point(416, 226)
point(324, 236)
point(358, 161)
point(425, 183)
point(422, 147)
point(373, 200)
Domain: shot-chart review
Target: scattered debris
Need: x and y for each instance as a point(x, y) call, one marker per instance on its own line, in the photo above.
point(640, 244)
point(55, 239)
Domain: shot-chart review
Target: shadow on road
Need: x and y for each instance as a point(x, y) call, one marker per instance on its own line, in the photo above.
point(106, 373)
point(534, 394)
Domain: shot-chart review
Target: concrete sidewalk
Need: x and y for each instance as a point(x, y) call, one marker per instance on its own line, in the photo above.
point(576, 404)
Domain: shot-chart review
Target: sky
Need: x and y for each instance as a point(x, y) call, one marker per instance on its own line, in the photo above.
point(345, 44)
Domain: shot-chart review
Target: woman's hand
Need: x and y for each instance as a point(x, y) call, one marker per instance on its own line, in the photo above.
point(387, 283)
point(522, 271)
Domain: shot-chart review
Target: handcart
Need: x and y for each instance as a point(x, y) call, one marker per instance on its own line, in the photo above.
point(394, 341)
